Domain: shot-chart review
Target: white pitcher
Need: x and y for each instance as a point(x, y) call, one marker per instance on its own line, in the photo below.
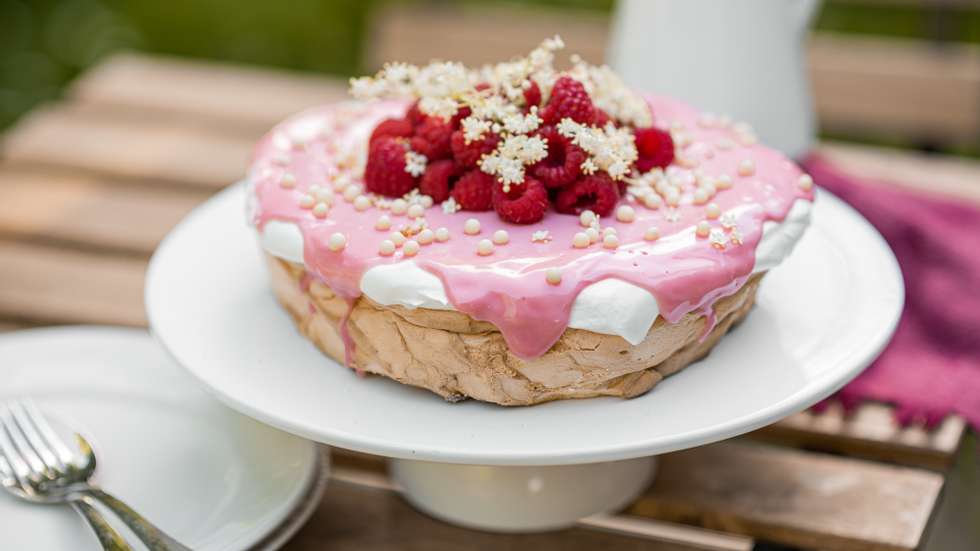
point(745, 58)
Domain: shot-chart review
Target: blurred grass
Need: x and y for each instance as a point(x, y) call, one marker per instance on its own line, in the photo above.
point(45, 43)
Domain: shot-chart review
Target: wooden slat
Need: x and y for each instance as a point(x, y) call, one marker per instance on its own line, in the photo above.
point(6, 326)
point(476, 35)
point(46, 285)
point(794, 498)
point(888, 87)
point(242, 98)
point(171, 152)
point(357, 517)
point(921, 171)
point(870, 432)
point(83, 212)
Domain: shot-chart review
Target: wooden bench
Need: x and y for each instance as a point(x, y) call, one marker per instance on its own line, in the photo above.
point(90, 185)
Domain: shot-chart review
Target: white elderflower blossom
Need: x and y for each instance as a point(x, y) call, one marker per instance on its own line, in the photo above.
point(541, 236)
point(415, 163)
point(450, 206)
point(522, 124)
point(610, 149)
point(507, 162)
point(474, 128)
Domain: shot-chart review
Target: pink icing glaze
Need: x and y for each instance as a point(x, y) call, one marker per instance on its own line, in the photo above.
point(508, 288)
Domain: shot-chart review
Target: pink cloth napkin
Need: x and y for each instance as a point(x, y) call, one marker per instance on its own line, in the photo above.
point(932, 366)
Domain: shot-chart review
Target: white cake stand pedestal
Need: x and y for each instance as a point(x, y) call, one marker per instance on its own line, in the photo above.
point(820, 318)
point(521, 499)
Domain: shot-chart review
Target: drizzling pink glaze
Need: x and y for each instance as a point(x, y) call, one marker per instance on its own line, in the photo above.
point(508, 288)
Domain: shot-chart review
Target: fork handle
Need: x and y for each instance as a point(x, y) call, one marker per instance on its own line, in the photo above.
point(108, 536)
point(152, 537)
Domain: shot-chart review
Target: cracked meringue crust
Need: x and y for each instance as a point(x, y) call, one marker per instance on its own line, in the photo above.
point(456, 356)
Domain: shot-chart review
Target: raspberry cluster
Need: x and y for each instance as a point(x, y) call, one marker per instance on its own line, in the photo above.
point(568, 178)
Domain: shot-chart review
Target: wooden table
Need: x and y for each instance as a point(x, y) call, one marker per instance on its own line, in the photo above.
point(90, 185)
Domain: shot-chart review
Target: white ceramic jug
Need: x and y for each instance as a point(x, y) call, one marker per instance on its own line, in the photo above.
point(745, 58)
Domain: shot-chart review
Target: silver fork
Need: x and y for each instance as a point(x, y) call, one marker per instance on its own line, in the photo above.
point(40, 467)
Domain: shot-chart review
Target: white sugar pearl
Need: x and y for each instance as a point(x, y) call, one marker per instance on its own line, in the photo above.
point(501, 237)
point(307, 201)
point(320, 210)
point(581, 240)
point(352, 192)
point(593, 234)
point(399, 206)
point(673, 197)
point(442, 235)
point(410, 248)
point(746, 167)
point(471, 226)
point(712, 211)
point(416, 211)
point(341, 183)
point(625, 213)
point(553, 276)
point(397, 238)
point(610, 241)
point(323, 195)
point(701, 196)
point(805, 182)
point(723, 181)
point(383, 223)
point(426, 236)
point(387, 248)
point(703, 228)
point(652, 201)
point(288, 181)
point(362, 203)
point(426, 201)
point(337, 241)
point(484, 247)
point(586, 218)
point(652, 234)
point(609, 231)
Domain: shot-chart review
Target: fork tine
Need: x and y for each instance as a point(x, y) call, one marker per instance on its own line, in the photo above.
point(12, 457)
point(54, 441)
point(29, 428)
point(27, 453)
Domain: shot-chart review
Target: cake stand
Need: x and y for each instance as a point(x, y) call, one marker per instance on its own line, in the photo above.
point(820, 318)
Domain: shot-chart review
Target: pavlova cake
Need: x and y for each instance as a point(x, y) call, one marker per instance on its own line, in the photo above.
point(518, 233)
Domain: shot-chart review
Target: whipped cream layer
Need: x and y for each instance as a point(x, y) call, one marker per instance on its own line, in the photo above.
point(617, 291)
point(610, 306)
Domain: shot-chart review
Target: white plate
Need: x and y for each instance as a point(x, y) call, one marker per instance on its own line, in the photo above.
point(821, 318)
point(212, 478)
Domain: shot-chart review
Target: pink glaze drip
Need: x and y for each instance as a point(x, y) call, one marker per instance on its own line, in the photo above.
point(508, 288)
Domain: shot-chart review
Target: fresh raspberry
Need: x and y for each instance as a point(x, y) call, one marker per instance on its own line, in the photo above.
point(598, 193)
point(414, 115)
point(398, 128)
point(601, 118)
point(385, 170)
point(562, 165)
point(569, 100)
point(655, 148)
point(532, 95)
point(467, 154)
point(522, 204)
point(435, 180)
point(435, 132)
point(461, 114)
point(474, 191)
